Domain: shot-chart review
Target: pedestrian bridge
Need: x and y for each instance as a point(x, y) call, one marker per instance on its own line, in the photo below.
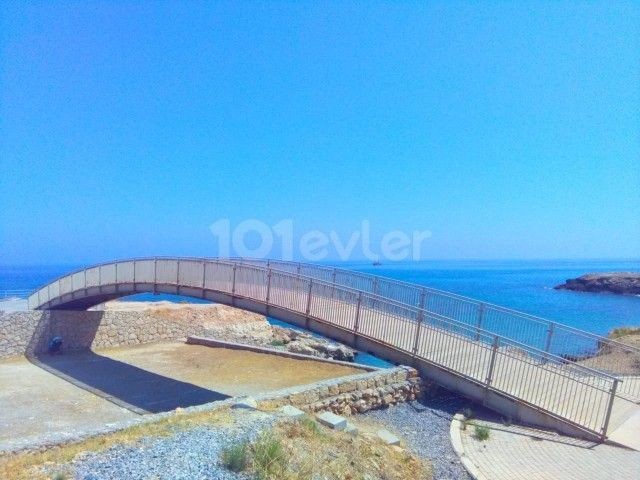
point(512, 362)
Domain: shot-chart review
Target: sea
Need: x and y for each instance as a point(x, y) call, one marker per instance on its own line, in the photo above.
point(526, 286)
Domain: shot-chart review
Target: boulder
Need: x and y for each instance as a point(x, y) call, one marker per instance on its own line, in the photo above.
point(620, 283)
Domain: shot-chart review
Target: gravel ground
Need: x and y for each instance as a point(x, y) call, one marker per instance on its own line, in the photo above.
point(194, 454)
point(425, 426)
point(186, 455)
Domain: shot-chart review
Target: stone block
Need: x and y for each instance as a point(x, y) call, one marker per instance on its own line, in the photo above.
point(351, 429)
point(332, 420)
point(291, 412)
point(248, 402)
point(387, 437)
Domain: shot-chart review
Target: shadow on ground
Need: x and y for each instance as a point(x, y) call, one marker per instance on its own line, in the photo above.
point(134, 388)
point(128, 386)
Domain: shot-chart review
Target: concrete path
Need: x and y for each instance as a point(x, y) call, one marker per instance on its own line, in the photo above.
point(64, 396)
point(514, 452)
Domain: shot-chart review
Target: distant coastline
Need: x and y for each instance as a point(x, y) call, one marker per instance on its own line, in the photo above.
point(619, 283)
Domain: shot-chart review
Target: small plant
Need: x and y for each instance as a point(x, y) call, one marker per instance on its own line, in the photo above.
point(236, 457)
point(310, 425)
point(481, 433)
point(269, 457)
point(278, 343)
point(624, 331)
point(58, 476)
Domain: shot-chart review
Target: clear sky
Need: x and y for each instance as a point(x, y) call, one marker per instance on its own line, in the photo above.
point(507, 129)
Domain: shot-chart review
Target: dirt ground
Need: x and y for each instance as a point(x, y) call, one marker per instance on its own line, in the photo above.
point(78, 392)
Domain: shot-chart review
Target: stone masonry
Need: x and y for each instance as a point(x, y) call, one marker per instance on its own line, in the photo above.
point(353, 394)
point(24, 333)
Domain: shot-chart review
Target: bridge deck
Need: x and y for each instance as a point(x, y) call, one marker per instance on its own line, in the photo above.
point(545, 383)
point(578, 396)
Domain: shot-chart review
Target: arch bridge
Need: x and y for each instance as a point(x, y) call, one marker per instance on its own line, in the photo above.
point(508, 360)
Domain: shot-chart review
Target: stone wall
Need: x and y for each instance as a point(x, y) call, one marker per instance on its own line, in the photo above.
point(352, 394)
point(23, 333)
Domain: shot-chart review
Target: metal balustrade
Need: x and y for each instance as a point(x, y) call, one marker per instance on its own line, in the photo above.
point(573, 344)
point(14, 293)
point(577, 395)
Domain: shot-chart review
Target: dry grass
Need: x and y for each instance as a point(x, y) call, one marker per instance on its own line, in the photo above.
point(302, 450)
point(27, 466)
point(618, 333)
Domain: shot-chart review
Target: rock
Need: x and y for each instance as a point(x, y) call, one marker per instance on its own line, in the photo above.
point(387, 437)
point(290, 411)
point(351, 429)
point(299, 347)
point(332, 420)
point(335, 351)
point(620, 283)
point(248, 402)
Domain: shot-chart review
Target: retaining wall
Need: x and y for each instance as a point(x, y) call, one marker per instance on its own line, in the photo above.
point(27, 333)
point(352, 394)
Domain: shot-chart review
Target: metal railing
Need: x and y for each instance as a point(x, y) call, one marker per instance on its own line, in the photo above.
point(572, 344)
point(577, 395)
point(14, 293)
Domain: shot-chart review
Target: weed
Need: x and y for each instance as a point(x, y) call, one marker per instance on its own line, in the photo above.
point(481, 433)
point(623, 332)
point(236, 457)
point(269, 457)
point(277, 343)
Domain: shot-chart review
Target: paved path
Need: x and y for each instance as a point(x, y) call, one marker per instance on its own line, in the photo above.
point(519, 453)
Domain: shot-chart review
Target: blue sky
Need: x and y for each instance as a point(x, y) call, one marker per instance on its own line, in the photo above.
point(507, 129)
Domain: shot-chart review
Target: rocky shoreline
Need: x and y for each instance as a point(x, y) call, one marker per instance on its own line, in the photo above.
point(236, 325)
point(619, 283)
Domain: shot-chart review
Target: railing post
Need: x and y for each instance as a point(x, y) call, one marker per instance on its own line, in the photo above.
point(268, 287)
point(479, 321)
point(423, 298)
point(233, 282)
point(178, 277)
point(357, 321)
point(416, 341)
point(612, 397)
point(492, 362)
point(547, 345)
point(374, 289)
point(333, 281)
point(155, 275)
point(308, 309)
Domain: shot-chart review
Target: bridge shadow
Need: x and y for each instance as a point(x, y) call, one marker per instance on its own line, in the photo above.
point(123, 384)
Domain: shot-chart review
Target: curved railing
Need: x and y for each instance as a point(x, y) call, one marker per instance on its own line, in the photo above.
point(573, 344)
point(574, 394)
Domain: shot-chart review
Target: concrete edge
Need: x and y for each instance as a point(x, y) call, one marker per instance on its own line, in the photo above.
point(455, 434)
point(212, 342)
